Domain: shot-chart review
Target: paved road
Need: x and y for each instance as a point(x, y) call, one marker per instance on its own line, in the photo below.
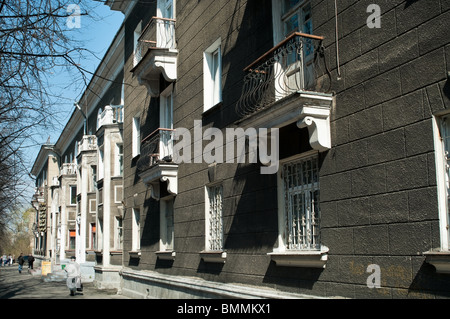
point(27, 286)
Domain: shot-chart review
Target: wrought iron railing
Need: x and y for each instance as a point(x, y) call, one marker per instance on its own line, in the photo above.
point(156, 148)
point(159, 33)
point(295, 64)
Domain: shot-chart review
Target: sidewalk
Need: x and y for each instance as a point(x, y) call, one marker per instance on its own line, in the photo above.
point(34, 286)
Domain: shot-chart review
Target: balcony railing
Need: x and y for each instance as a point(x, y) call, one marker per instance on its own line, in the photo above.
point(69, 169)
point(159, 33)
point(156, 148)
point(87, 143)
point(112, 114)
point(295, 64)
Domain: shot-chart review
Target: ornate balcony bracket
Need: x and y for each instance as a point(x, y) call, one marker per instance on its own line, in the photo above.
point(156, 62)
point(163, 172)
point(317, 120)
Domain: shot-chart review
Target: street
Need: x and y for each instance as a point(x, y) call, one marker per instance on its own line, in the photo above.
point(27, 286)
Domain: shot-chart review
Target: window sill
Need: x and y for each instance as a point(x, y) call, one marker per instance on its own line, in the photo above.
point(440, 259)
point(301, 258)
point(135, 254)
point(166, 255)
point(115, 252)
point(213, 256)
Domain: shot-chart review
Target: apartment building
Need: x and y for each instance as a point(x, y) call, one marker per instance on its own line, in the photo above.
point(79, 179)
point(291, 148)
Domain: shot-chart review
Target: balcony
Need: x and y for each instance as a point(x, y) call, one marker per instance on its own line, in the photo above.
point(289, 83)
point(155, 164)
point(68, 169)
point(87, 143)
point(156, 54)
point(112, 114)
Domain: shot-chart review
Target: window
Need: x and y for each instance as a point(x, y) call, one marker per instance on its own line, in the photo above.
point(118, 233)
point(73, 195)
point(212, 76)
point(167, 225)
point(136, 230)
point(118, 165)
point(213, 220)
point(300, 209)
point(442, 147)
point(136, 48)
point(93, 180)
point(166, 123)
point(136, 136)
point(100, 171)
point(296, 65)
point(72, 239)
point(93, 239)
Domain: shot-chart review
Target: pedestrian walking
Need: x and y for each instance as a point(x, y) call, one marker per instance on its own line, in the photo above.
point(10, 259)
point(30, 261)
point(73, 276)
point(21, 261)
point(4, 258)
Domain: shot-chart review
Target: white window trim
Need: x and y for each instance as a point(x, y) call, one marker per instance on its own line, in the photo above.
point(136, 136)
point(163, 247)
point(136, 231)
point(209, 98)
point(441, 183)
point(166, 95)
point(116, 199)
point(288, 257)
point(70, 195)
point(90, 206)
point(117, 160)
point(118, 239)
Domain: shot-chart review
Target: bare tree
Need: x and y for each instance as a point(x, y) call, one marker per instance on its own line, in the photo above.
point(36, 41)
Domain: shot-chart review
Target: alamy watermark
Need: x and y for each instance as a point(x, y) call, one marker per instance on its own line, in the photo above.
point(374, 19)
point(258, 141)
point(74, 19)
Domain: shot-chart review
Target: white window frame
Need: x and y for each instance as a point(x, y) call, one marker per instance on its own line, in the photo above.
point(118, 163)
point(101, 164)
point(136, 136)
point(166, 122)
point(214, 218)
point(167, 233)
point(117, 200)
point(442, 149)
point(118, 233)
point(212, 75)
point(71, 196)
point(136, 230)
point(283, 215)
point(136, 35)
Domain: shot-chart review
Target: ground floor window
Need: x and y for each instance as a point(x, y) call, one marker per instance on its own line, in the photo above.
point(300, 196)
point(442, 148)
point(72, 239)
point(167, 225)
point(214, 219)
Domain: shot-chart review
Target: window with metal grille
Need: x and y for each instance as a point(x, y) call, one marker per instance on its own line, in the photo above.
point(214, 222)
point(443, 179)
point(301, 204)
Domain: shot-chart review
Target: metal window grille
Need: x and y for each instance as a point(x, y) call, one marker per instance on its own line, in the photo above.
point(301, 195)
point(215, 241)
